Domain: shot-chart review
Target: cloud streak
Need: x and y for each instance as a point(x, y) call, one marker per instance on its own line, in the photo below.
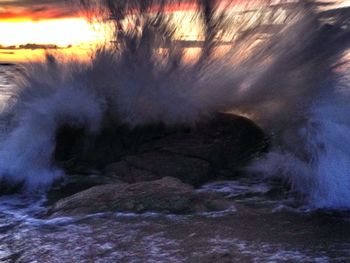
point(54, 9)
point(36, 9)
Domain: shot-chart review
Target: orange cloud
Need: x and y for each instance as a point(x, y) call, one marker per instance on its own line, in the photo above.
point(189, 5)
point(18, 10)
point(28, 15)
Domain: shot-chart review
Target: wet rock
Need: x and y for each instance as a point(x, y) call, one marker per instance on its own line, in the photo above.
point(224, 141)
point(72, 184)
point(167, 195)
point(75, 148)
point(128, 173)
point(155, 165)
point(195, 155)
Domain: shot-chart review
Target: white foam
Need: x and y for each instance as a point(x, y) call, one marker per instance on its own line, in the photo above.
point(285, 82)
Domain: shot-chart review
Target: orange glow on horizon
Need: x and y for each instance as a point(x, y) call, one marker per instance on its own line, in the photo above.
point(17, 16)
point(76, 33)
point(60, 32)
point(65, 27)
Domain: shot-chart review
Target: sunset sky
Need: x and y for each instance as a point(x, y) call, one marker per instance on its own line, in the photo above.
point(42, 23)
point(28, 26)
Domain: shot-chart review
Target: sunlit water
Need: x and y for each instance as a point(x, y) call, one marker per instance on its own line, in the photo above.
point(267, 224)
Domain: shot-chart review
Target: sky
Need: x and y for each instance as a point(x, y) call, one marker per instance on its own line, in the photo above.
point(29, 26)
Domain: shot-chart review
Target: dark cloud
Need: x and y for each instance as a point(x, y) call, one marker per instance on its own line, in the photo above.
point(47, 9)
point(37, 9)
point(33, 3)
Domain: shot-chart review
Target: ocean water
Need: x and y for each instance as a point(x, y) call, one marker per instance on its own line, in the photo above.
point(291, 205)
point(267, 224)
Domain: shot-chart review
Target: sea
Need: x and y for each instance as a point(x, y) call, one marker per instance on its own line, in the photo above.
point(290, 205)
point(268, 223)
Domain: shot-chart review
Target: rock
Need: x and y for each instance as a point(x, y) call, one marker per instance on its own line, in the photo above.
point(193, 154)
point(189, 170)
point(168, 195)
point(155, 165)
point(72, 184)
point(196, 156)
point(226, 141)
point(125, 172)
point(75, 147)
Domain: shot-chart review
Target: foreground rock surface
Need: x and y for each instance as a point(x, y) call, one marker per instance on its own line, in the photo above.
point(167, 195)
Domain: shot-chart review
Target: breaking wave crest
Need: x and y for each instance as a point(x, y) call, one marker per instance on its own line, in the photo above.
point(280, 64)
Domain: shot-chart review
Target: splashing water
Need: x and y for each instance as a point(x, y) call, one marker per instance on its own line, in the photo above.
point(276, 64)
point(322, 175)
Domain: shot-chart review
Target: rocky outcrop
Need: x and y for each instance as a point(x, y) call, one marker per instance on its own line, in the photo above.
point(155, 165)
point(152, 168)
point(168, 195)
point(195, 155)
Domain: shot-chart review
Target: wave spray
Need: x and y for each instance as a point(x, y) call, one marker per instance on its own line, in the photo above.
point(282, 64)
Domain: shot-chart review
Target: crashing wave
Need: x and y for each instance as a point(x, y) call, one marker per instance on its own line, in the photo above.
point(279, 64)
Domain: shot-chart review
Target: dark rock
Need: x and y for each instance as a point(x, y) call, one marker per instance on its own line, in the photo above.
point(128, 173)
point(226, 142)
point(168, 195)
point(155, 165)
point(72, 184)
point(193, 154)
point(189, 170)
point(75, 147)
